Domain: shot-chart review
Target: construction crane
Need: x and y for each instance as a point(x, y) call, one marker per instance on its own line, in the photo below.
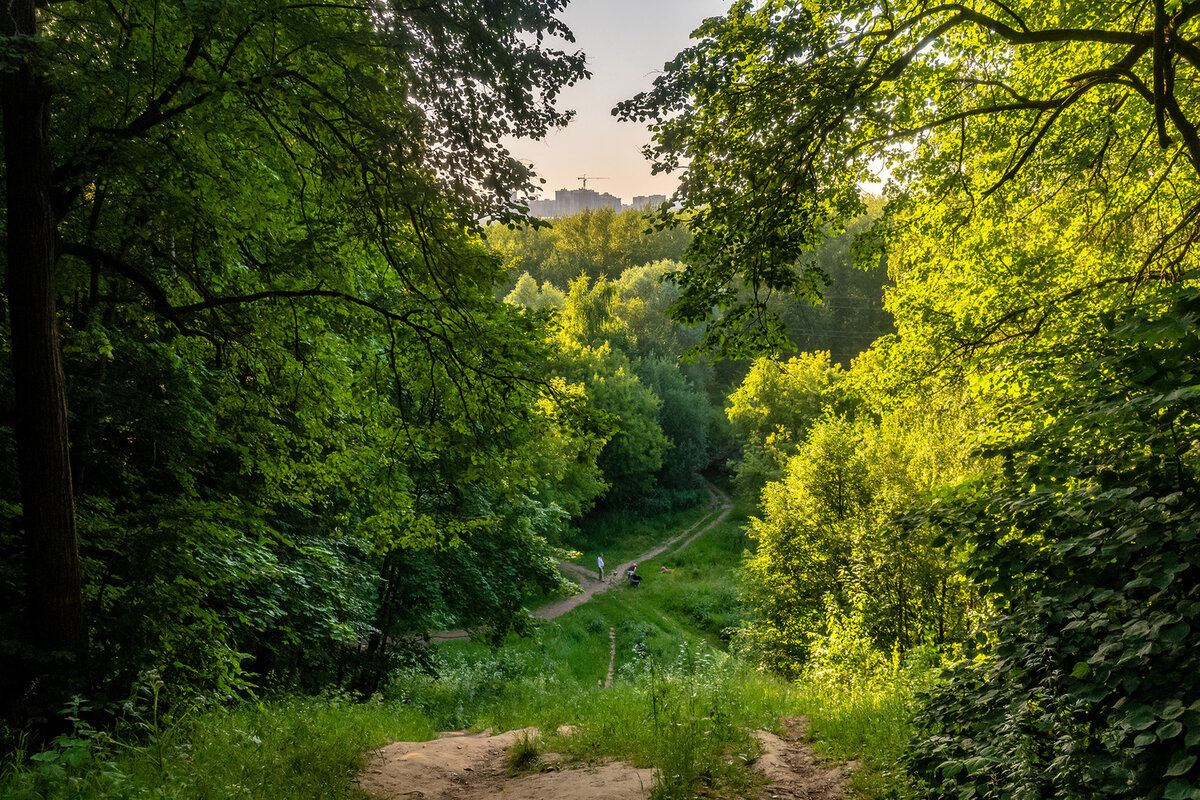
point(586, 178)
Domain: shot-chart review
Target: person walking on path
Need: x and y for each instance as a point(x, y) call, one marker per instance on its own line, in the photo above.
point(600, 565)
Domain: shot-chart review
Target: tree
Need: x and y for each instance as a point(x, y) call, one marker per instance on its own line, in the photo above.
point(774, 408)
point(196, 160)
point(527, 293)
point(829, 549)
point(1083, 682)
point(589, 317)
point(685, 418)
point(598, 243)
point(1041, 234)
point(983, 111)
point(635, 446)
point(811, 520)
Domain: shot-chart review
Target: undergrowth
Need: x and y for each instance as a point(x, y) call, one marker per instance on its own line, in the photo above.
point(679, 704)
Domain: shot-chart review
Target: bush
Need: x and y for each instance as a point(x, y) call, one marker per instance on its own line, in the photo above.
point(1085, 684)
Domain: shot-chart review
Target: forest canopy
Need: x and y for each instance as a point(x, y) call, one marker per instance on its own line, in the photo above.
point(1042, 166)
point(290, 381)
point(243, 284)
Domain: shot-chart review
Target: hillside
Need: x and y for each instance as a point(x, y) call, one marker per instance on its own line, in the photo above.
point(635, 678)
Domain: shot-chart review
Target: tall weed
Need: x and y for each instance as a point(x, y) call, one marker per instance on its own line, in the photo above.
point(292, 749)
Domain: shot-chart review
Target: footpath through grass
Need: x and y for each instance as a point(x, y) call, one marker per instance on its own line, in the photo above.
point(679, 703)
point(621, 536)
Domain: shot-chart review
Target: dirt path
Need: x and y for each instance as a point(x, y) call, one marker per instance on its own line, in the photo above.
point(588, 581)
point(592, 587)
point(465, 766)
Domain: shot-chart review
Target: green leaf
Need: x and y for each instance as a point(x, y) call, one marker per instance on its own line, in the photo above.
point(1171, 709)
point(1140, 717)
point(1179, 789)
point(1176, 633)
point(1180, 764)
point(1170, 729)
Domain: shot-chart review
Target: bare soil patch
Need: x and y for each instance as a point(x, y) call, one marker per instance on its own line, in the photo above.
point(793, 771)
point(471, 766)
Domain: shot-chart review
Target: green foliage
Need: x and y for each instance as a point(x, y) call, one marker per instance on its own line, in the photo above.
point(850, 315)
point(661, 422)
point(751, 217)
point(617, 342)
point(527, 293)
point(778, 109)
point(634, 452)
point(647, 293)
point(623, 532)
point(699, 742)
point(589, 318)
point(828, 555)
point(684, 419)
point(860, 706)
point(596, 243)
point(677, 706)
point(290, 749)
point(1030, 216)
point(524, 755)
point(1085, 682)
point(303, 429)
point(774, 408)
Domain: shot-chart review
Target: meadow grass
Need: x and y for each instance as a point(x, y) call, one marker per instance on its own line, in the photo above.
point(869, 724)
point(622, 536)
point(679, 704)
point(290, 749)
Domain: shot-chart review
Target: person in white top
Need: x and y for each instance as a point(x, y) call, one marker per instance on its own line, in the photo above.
point(600, 565)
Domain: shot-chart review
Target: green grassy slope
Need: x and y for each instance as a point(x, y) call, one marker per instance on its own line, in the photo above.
point(679, 701)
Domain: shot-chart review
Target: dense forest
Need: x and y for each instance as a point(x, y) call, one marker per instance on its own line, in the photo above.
point(290, 381)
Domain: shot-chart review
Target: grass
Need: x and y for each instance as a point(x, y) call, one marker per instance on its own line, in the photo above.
point(524, 755)
point(622, 536)
point(870, 724)
point(679, 704)
point(291, 749)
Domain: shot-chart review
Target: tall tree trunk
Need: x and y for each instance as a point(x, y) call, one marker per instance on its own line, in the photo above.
point(55, 608)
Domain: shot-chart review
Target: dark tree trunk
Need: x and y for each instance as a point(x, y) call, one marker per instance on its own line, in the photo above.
point(55, 609)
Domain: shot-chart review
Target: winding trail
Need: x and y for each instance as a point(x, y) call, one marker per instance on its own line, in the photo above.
point(591, 586)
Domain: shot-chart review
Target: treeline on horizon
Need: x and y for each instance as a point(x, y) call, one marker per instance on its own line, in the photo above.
point(603, 244)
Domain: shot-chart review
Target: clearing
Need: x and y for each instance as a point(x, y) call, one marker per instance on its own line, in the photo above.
point(462, 765)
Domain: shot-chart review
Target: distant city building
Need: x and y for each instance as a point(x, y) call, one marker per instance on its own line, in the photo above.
point(572, 201)
point(649, 200)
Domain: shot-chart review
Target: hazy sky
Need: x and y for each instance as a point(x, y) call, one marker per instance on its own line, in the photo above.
point(627, 42)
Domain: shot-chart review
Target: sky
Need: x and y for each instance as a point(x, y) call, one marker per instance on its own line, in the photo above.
point(626, 42)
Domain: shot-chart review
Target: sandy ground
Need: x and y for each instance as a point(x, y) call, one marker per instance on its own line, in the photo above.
point(462, 766)
point(466, 766)
point(793, 772)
